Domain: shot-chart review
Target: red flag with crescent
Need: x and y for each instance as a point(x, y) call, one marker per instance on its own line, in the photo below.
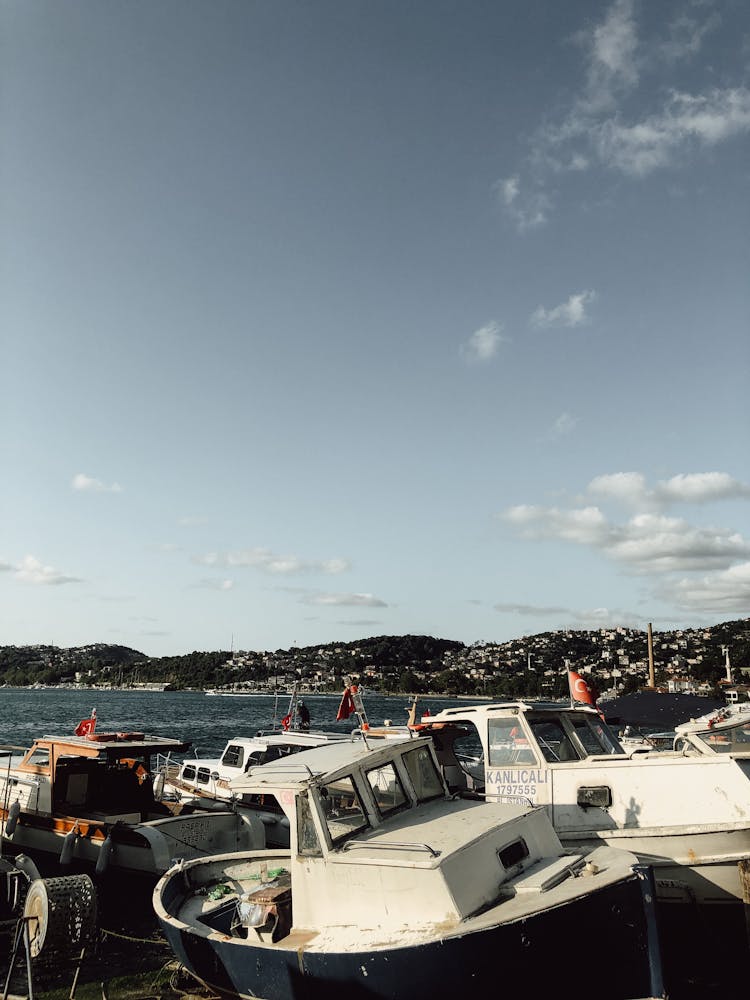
point(579, 689)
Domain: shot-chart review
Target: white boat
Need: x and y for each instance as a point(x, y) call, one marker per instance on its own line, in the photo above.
point(206, 783)
point(391, 885)
point(686, 811)
point(86, 802)
point(633, 738)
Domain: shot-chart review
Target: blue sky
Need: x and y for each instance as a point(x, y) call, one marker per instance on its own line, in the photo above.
point(335, 319)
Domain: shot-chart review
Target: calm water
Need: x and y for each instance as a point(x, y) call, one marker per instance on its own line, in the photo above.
point(207, 722)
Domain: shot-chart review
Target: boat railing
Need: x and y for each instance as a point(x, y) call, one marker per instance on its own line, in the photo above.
point(163, 764)
point(355, 845)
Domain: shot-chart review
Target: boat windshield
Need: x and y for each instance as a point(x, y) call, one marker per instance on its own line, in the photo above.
point(424, 775)
point(234, 755)
point(508, 743)
point(342, 810)
point(594, 735)
point(387, 789)
point(553, 741)
point(733, 739)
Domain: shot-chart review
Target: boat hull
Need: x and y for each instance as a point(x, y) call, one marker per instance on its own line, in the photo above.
point(148, 848)
point(690, 865)
point(616, 922)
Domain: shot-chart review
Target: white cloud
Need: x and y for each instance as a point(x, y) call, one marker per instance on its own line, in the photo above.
point(564, 424)
point(701, 487)
point(612, 46)
point(598, 127)
point(646, 542)
point(722, 593)
point(270, 562)
point(210, 583)
point(340, 600)
point(86, 484)
point(31, 570)
point(685, 122)
point(629, 487)
point(531, 610)
point(483, 344)
point(528, 208)
point(651, 543)
point(585, 526)
point(686, 34)
point(593, 617)
point(696, 487)
point(570, 313)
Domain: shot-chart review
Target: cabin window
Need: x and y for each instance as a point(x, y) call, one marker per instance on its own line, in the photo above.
point(234, 756)
point(307, 836)
point(423, 774)
point(593, 735)
point(387, 789)
point(513, 854)
point(508, 743)
point(39, 758)
point(203, 776)
point(342, 809)
point(553, 741)
point(188, 772)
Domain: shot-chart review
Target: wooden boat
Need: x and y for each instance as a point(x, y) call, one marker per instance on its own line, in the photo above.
point(391, 885)
point(686, 811)
point(87, 802)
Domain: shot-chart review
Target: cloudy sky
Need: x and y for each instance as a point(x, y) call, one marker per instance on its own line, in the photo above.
point(335, 319)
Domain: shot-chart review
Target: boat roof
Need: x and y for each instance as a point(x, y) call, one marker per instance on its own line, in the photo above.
point(120, 743)
point(519, 707)
point(723, 718)
point(328, 759)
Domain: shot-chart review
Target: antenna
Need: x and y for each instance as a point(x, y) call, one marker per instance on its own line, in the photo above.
point(727, 666)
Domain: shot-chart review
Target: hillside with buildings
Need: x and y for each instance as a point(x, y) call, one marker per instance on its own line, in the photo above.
point(615, 661)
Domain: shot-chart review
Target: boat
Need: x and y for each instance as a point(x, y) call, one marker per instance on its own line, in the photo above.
point(685, 810)
point(207, 783)
point(393, 885)
point(86, 802)
point(635, 738)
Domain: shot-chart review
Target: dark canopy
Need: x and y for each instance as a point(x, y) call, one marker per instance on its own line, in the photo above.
point(655, 710)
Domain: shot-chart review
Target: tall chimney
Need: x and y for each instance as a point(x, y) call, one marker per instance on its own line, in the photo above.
point(651, 674)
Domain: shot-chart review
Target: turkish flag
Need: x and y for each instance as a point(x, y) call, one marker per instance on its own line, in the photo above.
point(579, 689)
point(346, 707)
point(86, 726)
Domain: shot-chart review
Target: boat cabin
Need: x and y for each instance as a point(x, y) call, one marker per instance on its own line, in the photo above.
point(377, 839)
point(567, 759)
point(107, 777)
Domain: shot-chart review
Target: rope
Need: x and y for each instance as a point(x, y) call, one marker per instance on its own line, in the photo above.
point(127, 937)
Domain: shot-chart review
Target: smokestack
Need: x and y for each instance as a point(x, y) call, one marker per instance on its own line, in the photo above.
point(651, 674)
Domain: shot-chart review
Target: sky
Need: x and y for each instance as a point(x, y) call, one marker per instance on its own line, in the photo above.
point(328, 320)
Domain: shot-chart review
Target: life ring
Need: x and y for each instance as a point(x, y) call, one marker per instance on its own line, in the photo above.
point(138, 769)
point(130, 736)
